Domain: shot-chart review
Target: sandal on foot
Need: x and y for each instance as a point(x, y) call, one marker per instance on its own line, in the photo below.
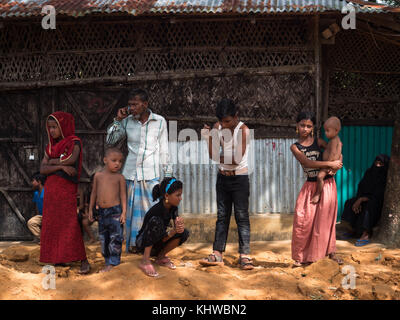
point(360, 243)
point(297, 264)
point(246, 263)
point(165, 262)
point(149, 270)
point(301, 264)
point(212, 260)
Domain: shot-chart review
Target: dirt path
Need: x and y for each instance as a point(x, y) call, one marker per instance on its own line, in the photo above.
point(377, 269)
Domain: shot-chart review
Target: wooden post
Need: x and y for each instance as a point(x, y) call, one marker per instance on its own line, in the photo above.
point(317, 62)
point(325, 82)
point(140, 67)
point(43, 95)
point(53, 99)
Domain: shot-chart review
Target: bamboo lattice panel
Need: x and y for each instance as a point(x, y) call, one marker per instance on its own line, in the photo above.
point(364, 78)
point(96, 50)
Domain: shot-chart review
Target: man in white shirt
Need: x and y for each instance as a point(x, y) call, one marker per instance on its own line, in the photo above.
point(147, 139)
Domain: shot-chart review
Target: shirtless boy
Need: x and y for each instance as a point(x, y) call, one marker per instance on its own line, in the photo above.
point(332, 152)
point(109, 196)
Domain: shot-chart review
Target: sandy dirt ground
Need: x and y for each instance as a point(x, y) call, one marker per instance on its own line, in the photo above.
point(377, 275)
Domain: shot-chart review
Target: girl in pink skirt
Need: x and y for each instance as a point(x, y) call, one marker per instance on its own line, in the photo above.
point(314, 232)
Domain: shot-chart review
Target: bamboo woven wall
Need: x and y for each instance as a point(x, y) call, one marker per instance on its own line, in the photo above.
point(82, 50)
point(364, 84)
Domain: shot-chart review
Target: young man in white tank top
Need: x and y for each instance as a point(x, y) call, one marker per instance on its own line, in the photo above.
point(228, 145)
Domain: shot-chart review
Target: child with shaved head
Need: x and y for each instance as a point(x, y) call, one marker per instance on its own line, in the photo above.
point(109, 196)
point(332, 152)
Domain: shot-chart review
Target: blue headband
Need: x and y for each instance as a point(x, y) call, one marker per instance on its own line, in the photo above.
point(169, 184)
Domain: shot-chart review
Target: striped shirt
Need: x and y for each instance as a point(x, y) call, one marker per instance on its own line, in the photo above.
point(147, 146)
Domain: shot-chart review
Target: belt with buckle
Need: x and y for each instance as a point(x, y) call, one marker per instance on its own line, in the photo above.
point(227, 172)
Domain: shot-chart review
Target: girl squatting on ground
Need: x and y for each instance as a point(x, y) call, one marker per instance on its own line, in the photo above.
point(154, 239)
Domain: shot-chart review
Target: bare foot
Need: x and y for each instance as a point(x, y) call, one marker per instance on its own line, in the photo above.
point(364, 236)
point(85, 267)
point(315, 199)
point(165, 262)
point(107, 268)
point(333, 257)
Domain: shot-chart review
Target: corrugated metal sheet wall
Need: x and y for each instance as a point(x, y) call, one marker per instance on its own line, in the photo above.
point(26, 8)
point(274, 184)
point(277, 177)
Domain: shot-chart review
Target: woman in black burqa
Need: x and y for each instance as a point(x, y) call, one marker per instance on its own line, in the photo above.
point(364, 211)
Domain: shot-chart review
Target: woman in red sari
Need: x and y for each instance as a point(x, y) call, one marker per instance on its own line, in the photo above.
point(61, 238)
point(314, 225)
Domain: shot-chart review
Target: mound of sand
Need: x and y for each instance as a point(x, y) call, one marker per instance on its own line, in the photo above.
point(377, 272)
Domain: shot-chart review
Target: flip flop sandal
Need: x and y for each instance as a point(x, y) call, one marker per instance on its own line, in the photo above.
point(360, 243)
point(301, 264)
point(246, 265)
point(297, 264)
point(165, 262)
point(212, 260)
point(147, 273)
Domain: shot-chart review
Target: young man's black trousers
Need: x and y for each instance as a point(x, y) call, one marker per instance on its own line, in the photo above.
point(233, 190)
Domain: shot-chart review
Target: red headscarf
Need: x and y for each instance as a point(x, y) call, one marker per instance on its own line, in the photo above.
point(63, 149)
